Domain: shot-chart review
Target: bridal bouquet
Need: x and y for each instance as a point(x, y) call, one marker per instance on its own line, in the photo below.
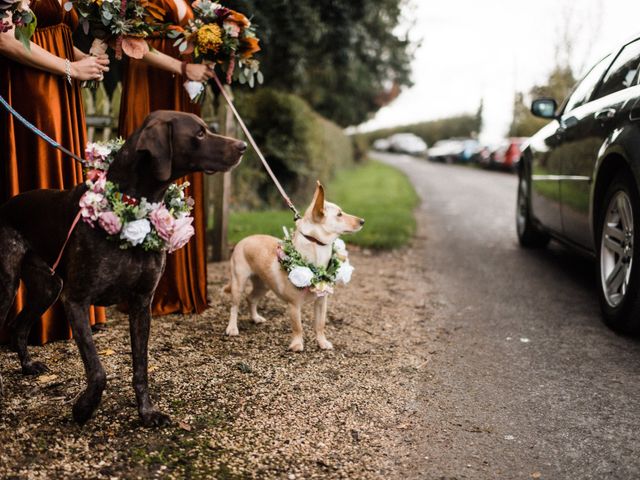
point(222, 37)
point(126, 23)
point(16, 13)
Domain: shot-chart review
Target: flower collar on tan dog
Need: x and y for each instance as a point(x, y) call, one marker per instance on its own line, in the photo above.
point(304, 274)
point(163, 226)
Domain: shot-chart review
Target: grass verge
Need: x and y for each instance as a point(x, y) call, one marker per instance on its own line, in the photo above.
point(379, 193)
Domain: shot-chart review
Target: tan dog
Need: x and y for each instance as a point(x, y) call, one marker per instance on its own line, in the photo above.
point(256, 258)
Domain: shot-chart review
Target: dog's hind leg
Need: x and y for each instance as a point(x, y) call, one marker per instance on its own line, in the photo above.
point(89, 399)
point(239, 277)
point(13, 251)
point(258, 291)
point(42, 290)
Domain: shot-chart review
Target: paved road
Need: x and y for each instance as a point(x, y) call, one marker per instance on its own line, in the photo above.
point(525, 380)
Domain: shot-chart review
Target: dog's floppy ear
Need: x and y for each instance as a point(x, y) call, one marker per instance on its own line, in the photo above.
point(156, 138)
point(317, 211)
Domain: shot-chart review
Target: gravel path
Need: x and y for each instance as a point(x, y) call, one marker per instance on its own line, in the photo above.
point(242, 407)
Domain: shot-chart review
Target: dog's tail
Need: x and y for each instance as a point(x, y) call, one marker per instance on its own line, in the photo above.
point(226, 288)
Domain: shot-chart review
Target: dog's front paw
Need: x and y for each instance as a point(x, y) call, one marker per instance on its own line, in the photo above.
point(34, 368)
point(259, 319)
point(155, 418)
point(83, 408)
point(297, 345)
point(325, 344)
point(232, 331)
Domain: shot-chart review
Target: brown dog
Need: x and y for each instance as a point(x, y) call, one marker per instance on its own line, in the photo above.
point(255, 258)
point(94, 270)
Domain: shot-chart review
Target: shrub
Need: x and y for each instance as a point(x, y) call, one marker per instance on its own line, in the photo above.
point(300, 146)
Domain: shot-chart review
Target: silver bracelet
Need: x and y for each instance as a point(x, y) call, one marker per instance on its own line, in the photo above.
point(67, 70)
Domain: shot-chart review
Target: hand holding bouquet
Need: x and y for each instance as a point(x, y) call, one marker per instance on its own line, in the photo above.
point(18, 14)
point(219, 36)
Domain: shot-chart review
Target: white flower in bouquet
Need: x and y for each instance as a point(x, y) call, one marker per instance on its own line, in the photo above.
point(301, 276)
point(136, 231)
point(343, 275)
point(194, 89)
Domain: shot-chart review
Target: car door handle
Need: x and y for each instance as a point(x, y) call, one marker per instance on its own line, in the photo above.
point(606, 115)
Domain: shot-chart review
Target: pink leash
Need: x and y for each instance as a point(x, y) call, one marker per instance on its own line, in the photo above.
point(64, 245)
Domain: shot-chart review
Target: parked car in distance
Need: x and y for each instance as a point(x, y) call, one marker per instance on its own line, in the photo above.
point(455, 150)
point(407, 143)
point(507, 155)
point(579, 179)
point(381, 145)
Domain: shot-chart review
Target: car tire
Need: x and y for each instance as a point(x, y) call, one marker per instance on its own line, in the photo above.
point(618, 262)
point(529, 235)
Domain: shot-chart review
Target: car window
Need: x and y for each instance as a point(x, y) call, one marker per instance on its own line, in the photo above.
point(582, 92)
point(623, 71)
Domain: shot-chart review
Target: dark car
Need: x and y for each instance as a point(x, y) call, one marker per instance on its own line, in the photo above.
point(579, 180)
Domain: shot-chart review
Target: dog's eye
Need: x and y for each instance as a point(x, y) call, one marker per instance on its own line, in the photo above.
point(201, 134)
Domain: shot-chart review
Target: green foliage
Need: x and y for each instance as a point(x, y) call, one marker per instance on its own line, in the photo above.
point(300, 146)
point(559, 85)
point(346, 59)
point(379, 193)
point(432, 131)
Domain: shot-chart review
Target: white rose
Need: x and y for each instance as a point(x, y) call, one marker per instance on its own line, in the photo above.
point(301, 276)
point(193, 88)
point(343, 275)
point(136, 231)
point(340, 248)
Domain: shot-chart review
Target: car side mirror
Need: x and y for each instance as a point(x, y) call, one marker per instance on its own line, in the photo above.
point(544, 108)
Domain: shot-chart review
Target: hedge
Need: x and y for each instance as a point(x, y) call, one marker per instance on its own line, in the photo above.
point(299, 144)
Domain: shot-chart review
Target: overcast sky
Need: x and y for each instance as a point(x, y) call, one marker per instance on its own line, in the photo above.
point(474, 49)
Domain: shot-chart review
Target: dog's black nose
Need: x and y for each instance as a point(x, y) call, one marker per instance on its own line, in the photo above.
point(241, 146)
point(362, 221)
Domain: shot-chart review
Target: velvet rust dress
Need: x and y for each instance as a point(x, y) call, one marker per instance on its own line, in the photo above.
point(26, 161)
point(183, 286)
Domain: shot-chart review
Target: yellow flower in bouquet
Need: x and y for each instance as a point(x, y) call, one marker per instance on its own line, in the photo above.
point(209, 38)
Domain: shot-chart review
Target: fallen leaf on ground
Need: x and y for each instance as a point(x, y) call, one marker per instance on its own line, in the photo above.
point(46, 378)
point(536, 475)
point(185, 426)
point(108, 351)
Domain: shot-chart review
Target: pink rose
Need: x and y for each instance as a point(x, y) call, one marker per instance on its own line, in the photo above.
point(93, 174)
point(182, 232)
point(100, 183)
point(163, 221)
point(90, 205)
point(110, 223)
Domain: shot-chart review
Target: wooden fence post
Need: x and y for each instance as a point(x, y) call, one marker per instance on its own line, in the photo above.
point(221, 190)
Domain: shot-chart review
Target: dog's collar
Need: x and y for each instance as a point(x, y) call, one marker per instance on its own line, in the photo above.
point(314, 240)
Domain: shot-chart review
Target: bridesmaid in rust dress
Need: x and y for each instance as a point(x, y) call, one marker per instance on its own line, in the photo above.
point(156, 83)
point(43, 85)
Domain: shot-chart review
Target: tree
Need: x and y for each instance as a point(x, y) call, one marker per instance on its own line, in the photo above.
point(344, 58)
point(558, 87)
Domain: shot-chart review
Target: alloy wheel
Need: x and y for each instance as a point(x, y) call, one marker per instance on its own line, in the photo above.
point(616, 249)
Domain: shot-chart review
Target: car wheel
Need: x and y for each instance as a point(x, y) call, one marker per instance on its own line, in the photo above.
point(618, 259)
point(529, 235)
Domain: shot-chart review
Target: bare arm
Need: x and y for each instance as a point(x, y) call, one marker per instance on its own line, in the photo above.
point(79, 54)
point(87, 68)
point(197, 72)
